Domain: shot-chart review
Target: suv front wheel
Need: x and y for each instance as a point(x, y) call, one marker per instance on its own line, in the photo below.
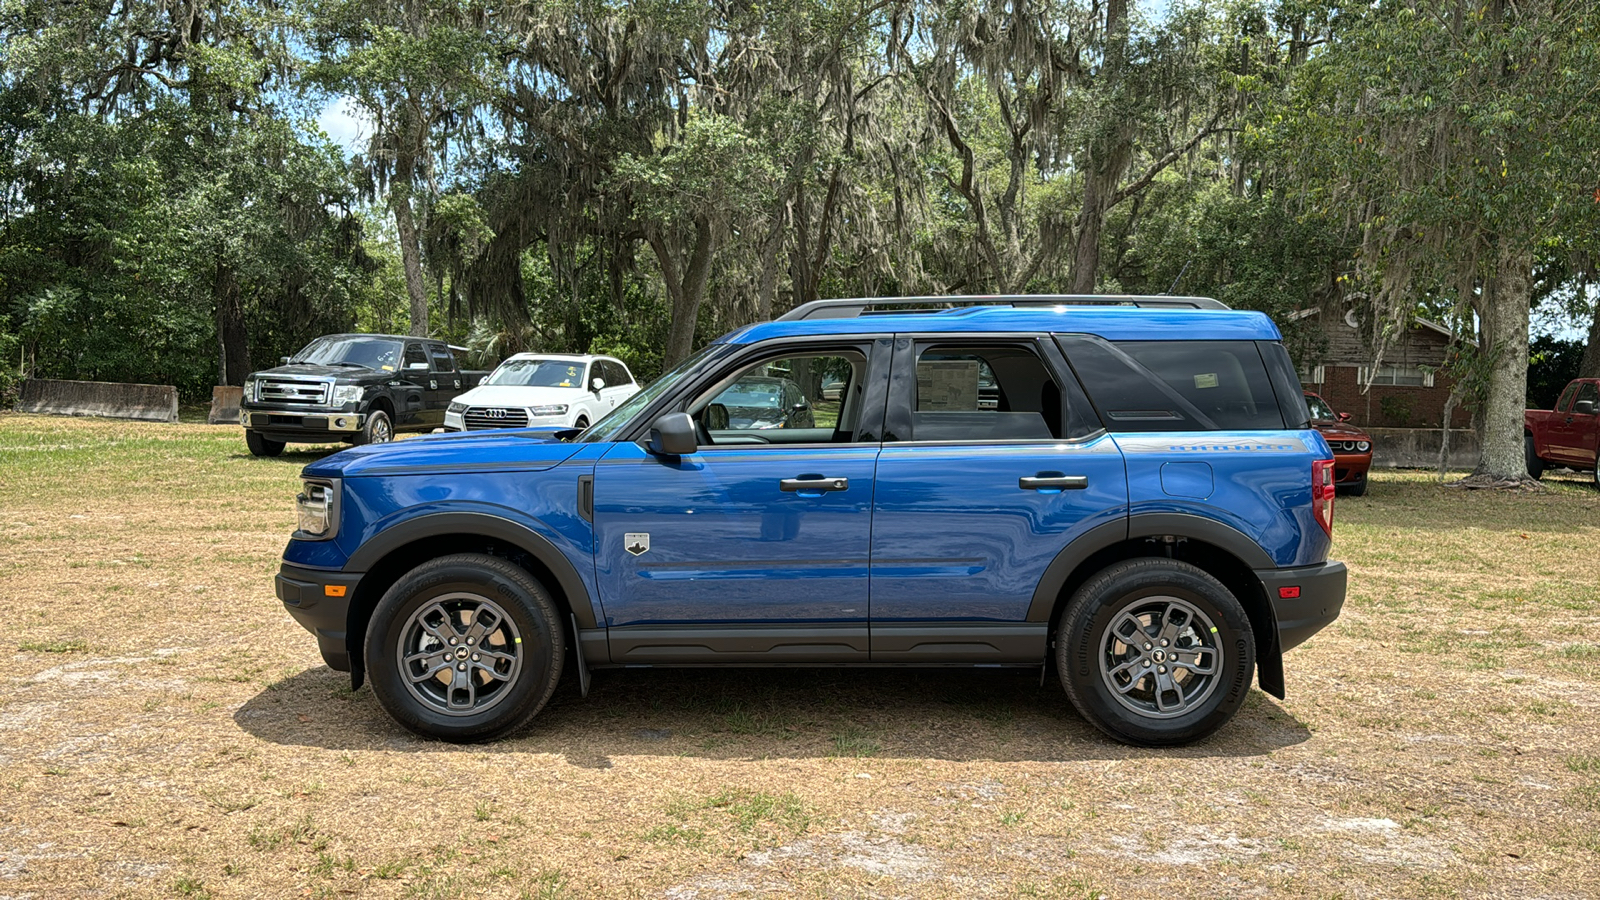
point(1155, 652)
point(464, 647)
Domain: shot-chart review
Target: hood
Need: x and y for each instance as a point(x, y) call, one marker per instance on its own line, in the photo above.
point(523, 449)
point(1339, 431)
point(518, 395)
point(346, 374)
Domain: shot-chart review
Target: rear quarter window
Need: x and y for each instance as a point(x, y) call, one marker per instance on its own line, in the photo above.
point(1145, 386)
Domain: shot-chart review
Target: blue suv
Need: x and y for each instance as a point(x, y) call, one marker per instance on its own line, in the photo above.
point(1127, 489)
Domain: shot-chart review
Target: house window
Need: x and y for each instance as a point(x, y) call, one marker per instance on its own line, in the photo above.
point(1311, 375)
point(1403, 376)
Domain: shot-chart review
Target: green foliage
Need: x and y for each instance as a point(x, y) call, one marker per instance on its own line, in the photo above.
point(1552, 363)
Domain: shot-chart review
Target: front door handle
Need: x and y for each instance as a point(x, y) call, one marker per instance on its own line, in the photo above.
point(818, 483)
point(1051, 481)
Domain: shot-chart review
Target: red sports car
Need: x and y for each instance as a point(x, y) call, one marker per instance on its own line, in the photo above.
point(1352, 447)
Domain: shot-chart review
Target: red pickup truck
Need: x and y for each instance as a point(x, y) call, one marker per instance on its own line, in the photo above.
point(1565, 436)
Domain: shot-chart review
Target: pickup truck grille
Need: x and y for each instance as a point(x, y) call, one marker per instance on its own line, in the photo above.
point(478, 417)
point(304, 393)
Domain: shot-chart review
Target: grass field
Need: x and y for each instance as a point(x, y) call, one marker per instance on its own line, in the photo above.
point(167, 731)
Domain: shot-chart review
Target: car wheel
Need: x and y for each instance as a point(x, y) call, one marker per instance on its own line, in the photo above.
point(1155, 652)
point(464, 648)
point(262, 446)
point(1355, 488)
point(378, 430)
point(1535, 464)
point(582, 422)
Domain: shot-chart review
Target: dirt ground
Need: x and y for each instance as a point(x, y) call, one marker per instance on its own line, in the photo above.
point(167, 731)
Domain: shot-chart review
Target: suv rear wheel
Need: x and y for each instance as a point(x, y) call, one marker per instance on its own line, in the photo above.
point(1155, 652)
point(465, 648)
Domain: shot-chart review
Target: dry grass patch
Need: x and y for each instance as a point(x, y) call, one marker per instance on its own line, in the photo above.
point(168, 731)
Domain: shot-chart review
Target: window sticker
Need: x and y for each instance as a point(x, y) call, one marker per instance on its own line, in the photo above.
point(1208, 380)
point(947, 385)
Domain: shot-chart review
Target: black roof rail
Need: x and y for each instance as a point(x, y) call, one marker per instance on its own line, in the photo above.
point(862, 306)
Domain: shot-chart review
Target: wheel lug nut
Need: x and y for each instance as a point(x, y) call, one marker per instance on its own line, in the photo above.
point(1147, 645)
point(461, 666)
point(1163, 642)
point(469, 640)
point(1147, 664)
point(474, 657)
point(1161, 669)
point(453, 642)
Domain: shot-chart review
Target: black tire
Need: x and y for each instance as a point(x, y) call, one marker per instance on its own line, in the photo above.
point(1173, 594)
point(419, 621)
point(262, 446)
point(582, 422)
point(377, 430)
point(1535, 464)
point(1355, 488)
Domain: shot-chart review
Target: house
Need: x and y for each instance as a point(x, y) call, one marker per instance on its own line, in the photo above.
point(1405, 390)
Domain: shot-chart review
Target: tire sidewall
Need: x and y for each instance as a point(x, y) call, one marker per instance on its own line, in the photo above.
point(1096, 606)
point(525, 603)
point(372, 419)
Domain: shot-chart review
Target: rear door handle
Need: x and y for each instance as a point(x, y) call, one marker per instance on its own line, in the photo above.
point(817, 483)
point(1049, 481)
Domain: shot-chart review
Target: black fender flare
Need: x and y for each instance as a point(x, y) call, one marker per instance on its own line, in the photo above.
point(1269, 659)
point(498, 528)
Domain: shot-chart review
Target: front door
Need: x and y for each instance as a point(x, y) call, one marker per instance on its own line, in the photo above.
point(754, 548)
point(985, 486)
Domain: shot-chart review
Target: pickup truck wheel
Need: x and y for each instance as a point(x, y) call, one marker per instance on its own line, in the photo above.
point(378, 429)
point(1155, 652)
point(464, 648)
point(1535, 464)
point(261, 446)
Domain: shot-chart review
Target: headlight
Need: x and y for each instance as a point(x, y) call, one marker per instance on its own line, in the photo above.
point(318, 508)
point(1364, 446)
point(559, 409)
point(346, 393)
point(456, 409)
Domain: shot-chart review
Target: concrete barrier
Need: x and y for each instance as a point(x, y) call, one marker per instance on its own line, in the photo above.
point(225, 401)
point(1418, 448)
point(145, 402)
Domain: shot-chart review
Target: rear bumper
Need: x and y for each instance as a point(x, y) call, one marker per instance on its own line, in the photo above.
point(320, 601)
point(1304, 599)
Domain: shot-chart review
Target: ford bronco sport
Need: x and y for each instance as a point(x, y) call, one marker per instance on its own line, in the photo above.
point(1141, 504)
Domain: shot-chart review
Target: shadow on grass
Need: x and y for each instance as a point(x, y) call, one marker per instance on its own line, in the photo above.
point(950, 714)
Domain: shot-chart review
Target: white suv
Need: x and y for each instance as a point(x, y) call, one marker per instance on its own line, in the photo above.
point(543, 389)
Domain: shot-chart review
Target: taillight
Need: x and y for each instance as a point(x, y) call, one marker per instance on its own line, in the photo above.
point(1322, 493)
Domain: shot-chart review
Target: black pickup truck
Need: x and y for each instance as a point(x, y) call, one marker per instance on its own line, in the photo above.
point(356, 388)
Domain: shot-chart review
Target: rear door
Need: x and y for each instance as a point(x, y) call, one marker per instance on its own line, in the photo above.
point(993, 463)
point(411, 392)
point(444, 383)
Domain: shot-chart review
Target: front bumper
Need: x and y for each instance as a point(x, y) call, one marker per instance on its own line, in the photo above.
point(294, 421)
point(1351, 468)
point(320, 601)
point(1304, 599)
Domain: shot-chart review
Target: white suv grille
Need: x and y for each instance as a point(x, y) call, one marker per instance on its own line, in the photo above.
point(495, 417)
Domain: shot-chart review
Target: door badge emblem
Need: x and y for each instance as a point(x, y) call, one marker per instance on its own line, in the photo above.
point(636, 543)
point(433, 385)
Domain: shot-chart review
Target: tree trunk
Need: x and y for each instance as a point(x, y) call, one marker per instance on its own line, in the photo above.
point(1505, 321)
point(410, 257)
point(1590, 367)
point(687, 291)
point(1109, 155)
point(233, 345)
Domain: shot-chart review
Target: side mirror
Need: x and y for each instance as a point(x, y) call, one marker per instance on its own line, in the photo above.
point(283, 360)
point(598, 383)
point(1344, 417)
point(673, 435)
point(416, 367)
point(1584, 407)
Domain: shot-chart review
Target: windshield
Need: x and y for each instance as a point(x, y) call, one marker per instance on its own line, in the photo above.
point(1320, 408)
point(762, 393)
point(609, 427)
point(351, 350)
point(538, 373)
